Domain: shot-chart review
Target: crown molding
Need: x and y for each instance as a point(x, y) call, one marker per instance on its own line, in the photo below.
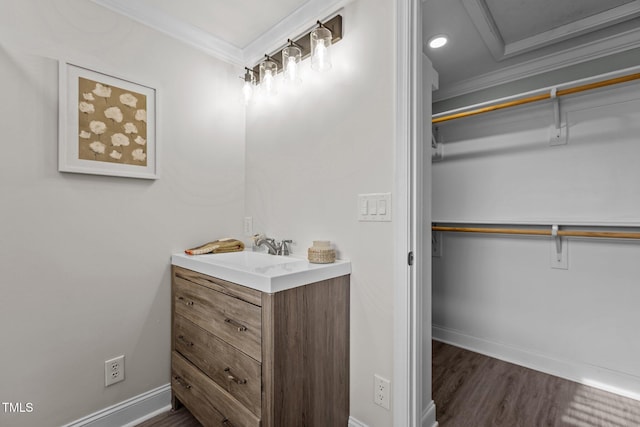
point(483, 21)
point(486, 26)
point(175, 28)
point(295, 24)
point(566, 58)
point(574, 29)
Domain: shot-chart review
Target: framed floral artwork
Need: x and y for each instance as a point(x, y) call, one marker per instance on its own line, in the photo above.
point(107, 125)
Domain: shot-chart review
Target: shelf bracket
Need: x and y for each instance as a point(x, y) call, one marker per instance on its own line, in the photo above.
point(558, 250)
point(437, 148)
point(557, 132)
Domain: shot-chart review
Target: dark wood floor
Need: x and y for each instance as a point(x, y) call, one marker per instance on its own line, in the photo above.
point(472, 390)
point(179, 418)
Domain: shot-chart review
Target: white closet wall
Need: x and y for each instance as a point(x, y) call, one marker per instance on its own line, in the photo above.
point(498, 294)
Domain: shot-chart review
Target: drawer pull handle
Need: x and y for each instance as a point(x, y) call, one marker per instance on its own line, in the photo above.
point(186, 341)
point(227, 423)
point(181, 382)
point(240, 326)
point(189, 303)
point(230, 377)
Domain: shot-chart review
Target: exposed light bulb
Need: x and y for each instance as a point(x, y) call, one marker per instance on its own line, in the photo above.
point(268, 82)
point(321, 52)
point(292, 69)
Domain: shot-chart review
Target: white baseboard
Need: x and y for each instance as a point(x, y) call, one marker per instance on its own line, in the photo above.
point(429, 416)
point(620, 383)
point(130, 412)
point(355, 423)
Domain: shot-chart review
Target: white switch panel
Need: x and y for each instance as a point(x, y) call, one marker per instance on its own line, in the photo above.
point(374, 207)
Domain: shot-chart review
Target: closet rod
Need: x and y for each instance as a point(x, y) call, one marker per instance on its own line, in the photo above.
point(535, 98)
point(539, 232)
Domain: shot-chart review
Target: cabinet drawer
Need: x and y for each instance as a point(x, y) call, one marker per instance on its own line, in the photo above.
point(237, 373)
point(211, 405)
point(232, 289)
point(231, 319)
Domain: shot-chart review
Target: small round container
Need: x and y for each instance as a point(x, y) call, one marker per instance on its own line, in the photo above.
point(321, 252)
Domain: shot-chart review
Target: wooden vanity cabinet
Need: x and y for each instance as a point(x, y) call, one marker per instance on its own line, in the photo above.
point(241, 357)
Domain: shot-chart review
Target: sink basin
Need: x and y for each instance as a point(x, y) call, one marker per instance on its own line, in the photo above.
point(261, 271)
point(252, 260)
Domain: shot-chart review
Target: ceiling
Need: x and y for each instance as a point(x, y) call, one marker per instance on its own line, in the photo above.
point(497, 41)
point(491, 42)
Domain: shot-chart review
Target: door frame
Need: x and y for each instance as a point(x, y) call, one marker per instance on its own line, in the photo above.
point(411, 381)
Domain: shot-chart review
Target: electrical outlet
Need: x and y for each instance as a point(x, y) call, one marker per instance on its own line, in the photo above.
point(248, 226)
point(113, 371)
point(381, 391)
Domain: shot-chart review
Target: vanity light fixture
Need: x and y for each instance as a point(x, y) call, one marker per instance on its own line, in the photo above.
point(320, 43)
point(438, 41)
point(315, 43)
point(268, 71)
point(249, 83)
point(291, 57)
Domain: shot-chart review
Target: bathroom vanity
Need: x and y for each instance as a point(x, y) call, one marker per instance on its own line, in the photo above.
point(260, 340)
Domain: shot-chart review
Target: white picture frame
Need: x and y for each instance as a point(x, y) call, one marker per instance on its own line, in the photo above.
point(107, 124)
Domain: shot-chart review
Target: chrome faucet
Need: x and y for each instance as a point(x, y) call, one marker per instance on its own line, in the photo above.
point(273, 247)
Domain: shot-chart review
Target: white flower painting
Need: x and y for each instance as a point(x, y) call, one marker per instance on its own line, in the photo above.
point(112, 123)
point(141, 116)
point(86, 107)
point(130, 128)
point(97, 147)
point(102, 91)
point(97, 127)
point(139, 155)
point(114, 113)
point(128, 100)
point(120, 140)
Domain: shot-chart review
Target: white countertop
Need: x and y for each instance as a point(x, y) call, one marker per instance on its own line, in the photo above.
point(260, 271)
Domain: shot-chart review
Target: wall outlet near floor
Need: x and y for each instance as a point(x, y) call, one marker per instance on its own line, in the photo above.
point(381, 391)
point(113, 371)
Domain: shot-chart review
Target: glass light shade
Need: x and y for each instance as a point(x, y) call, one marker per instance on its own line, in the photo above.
point(247, 91)
point(247, 88)
point(291, 57)
point(268, 71)
point(320, 52)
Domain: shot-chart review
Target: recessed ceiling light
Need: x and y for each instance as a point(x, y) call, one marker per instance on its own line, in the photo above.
point(438, 41)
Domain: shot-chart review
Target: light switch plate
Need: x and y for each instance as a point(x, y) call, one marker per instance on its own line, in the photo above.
point(374, 207)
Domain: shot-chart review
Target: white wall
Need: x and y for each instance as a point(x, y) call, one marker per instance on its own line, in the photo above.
point(308, 156)
point(499, 295)
point(85, 259)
